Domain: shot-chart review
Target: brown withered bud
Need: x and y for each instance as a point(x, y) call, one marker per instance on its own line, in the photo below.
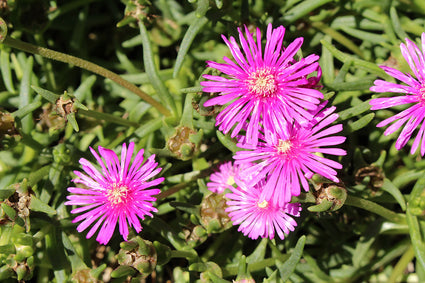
point(7, 125)
point(83, 275)
point(65, 106)
point(332, 193)
point(49, 120)
point(375, 175)
point(195, 235)
point(213, 215)
point(184, 143)
point(198, 104)
point(20, 201)
point(139, 254)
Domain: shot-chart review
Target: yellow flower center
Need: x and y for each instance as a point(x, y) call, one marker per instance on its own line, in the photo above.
point(230, 181)
point(263, 204)
point(118, 194)
point(283, 146)
point(262, 83)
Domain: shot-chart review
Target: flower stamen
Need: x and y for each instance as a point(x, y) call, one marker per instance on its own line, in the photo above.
point(284, 146)
point(118, 194)
point(230, 181)
point(263, 204)
point(262, 83)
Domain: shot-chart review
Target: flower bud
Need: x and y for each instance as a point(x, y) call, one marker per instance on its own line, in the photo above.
point(243, 274)
point(22, 272)
point(195, 236)
point(9, 135)
point(139, 254)
point(84, 275)
point(213, 215)
point(136, 10)
point(184, 144)
point(49, 121)
point(330, 196)
point(374, 176)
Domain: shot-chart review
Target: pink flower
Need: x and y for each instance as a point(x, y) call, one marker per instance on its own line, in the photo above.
point(116, 194)
point(257, 217)
point(263, 88)
point(411, 93)
point(291, 155)
point(225, 177)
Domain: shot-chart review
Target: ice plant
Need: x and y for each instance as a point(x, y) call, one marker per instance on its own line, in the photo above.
point(118, 193)
point(263, 86)
point(224, 178)
point(257, 217)
point(291, 155)
point(412, 92)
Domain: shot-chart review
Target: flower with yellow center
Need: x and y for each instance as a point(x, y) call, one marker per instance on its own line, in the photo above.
point(262, 83)
point(120, 193)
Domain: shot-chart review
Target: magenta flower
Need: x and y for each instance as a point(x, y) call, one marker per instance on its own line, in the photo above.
point(118, 193)
point(263, 88)
point(225, 177)
point(291, 155)
point(412, 93)
point(257, 217)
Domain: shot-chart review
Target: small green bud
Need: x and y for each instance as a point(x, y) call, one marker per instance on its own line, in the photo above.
point(243, 274)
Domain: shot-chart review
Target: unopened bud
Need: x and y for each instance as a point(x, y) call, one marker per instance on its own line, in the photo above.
point(213, 215)
point(330, 196)
point(84, 275)
point(184, 143)
point(372, 174)
point(141, 257)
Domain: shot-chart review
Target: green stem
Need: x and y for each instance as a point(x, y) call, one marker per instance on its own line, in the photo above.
point(375, 208)
point(107, 117)
point(401, 265)
point(183, 254)
point(84, 64)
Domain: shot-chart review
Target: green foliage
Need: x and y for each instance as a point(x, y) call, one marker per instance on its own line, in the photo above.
point(140, 81)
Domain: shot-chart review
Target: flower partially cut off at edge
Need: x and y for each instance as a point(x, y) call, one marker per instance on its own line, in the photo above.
point(257, 217)
point(225, 177)
point(268, 89)
point(411, 93)
point(289, 156)
point(119, 193)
